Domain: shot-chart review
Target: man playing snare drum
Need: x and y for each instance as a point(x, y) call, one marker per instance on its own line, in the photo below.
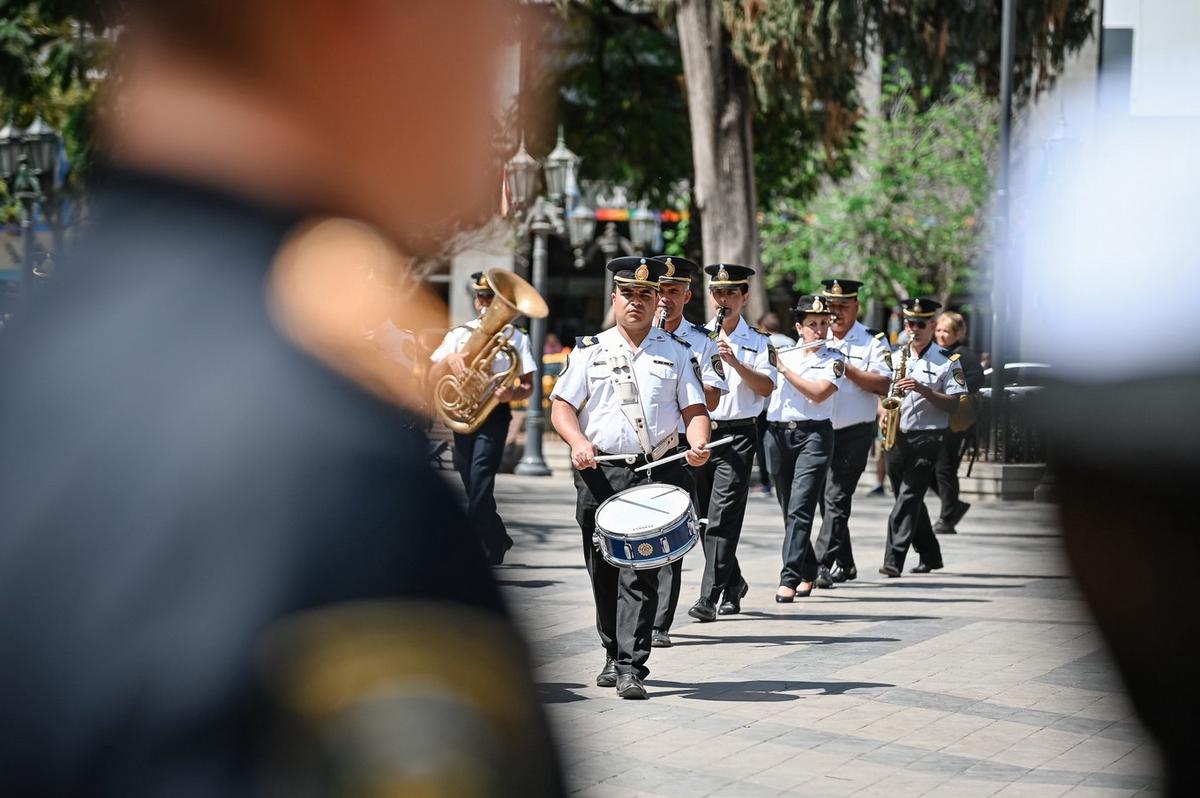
point(624, 392)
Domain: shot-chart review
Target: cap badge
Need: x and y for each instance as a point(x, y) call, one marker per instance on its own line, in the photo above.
point(917, 306)
point(723, 276)
point(817, 306)
point(643, 272)
point(670, 269)
point(835, 289)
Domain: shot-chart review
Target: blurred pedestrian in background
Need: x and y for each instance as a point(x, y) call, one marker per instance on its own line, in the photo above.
point(225, 563)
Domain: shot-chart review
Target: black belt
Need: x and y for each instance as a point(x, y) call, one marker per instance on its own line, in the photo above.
point(735, 423)
point(807, 424)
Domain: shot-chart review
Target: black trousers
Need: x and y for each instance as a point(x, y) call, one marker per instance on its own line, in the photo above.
point(722, 486)
point(670, 578)
point(760, 455)
point(851, 446)
point(910, 470)
point(626, 600)
point(477, 458)
point(803, 456)
point(945, 470)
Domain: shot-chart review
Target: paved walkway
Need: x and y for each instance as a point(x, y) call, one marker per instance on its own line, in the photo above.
point(986, 678)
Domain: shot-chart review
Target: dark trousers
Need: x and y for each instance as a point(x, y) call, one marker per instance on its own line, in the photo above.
point(722, 486)
point(910, 470)
point(477, 458)
point(626, 600)
point(945, 470)
point(760, 454)
point(670, 578)
point(851, 446)
point(803, 456)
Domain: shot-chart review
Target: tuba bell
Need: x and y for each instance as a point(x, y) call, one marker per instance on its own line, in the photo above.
point(464, 401)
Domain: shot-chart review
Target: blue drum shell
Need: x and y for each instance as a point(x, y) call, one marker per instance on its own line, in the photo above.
point(652, 549)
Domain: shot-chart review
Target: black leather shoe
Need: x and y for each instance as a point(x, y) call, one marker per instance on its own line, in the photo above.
point(841, 574)
point(731, 605)
point(824, 578)
point(890, 570)
point(630, 686)
point(703, 610)
point(608, 676)
point(922, 568)
point(660, 639)
point(940, 529)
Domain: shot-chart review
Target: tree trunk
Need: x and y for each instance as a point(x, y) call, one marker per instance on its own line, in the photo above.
point(721, 112)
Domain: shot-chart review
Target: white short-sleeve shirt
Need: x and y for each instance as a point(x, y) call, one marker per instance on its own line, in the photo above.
point(869, 353)
point(755, 350)
point(939, 370)
point(455, 339)
point(667, 377)
point(787, 403)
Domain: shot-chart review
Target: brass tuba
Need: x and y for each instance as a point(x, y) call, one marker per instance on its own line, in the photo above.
point(891, 402)
point(464, 402)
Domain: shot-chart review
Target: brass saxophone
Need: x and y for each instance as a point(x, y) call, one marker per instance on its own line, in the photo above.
point(464, 402)
point(891, 402)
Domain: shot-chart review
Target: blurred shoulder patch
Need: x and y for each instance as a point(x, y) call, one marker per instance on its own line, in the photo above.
point(335, 280)
point(409, 697)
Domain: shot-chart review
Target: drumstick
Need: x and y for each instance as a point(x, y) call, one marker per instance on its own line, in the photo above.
point(710, 445)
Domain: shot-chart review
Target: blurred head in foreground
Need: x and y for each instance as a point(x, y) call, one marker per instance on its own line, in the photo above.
point(1112, 236)
point(235, 568)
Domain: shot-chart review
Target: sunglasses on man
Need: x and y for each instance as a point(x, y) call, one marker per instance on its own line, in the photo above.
point(920, 325)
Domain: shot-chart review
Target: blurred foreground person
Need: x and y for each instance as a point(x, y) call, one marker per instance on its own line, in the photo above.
point(1119, 218)
point(225, 566)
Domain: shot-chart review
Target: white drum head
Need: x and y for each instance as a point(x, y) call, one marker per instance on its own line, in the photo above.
point(643, 508)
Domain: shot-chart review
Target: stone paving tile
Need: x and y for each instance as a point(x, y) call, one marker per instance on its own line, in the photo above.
point(986, 678)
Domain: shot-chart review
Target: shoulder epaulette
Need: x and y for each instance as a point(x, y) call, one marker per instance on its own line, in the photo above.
point(954, 357)
point(678, 340)
point(712, 334)
point(760, 332)
point(876, 334)
point(584, 341)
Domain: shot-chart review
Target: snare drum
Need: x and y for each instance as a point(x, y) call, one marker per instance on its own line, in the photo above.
point(646, 526)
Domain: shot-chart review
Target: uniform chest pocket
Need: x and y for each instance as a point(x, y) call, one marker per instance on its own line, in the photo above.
point(599, 372)
point(661, 379)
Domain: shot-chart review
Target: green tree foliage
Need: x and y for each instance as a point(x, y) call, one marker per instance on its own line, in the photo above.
point(907, 219)
point(51, 60)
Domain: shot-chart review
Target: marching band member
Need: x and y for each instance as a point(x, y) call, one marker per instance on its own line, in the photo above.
point(930, 385)
point(477, 455)
point(868, 376)
point(675, 291)
point(626, 391)
point(723, 485)
point(798, 417)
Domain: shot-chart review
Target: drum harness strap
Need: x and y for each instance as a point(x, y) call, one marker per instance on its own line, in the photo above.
point(631, 405)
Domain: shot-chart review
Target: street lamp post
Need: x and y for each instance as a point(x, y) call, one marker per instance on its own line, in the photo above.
point(545, 217)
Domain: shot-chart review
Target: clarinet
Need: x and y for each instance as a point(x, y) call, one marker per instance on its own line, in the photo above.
point(722, 312)
point(661, 321)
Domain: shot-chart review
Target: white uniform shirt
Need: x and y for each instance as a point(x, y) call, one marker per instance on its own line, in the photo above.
point(667, 380)
point(754, 350)
point(455, 339)
point(713, 370)
point(787, 403)
point(866, 353)
point(939, 372)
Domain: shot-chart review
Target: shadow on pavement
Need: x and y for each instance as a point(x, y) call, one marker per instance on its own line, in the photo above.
point(830, 618)
point(558, 692)
point(528, 582)
point(756, 690)
point(779, 640)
